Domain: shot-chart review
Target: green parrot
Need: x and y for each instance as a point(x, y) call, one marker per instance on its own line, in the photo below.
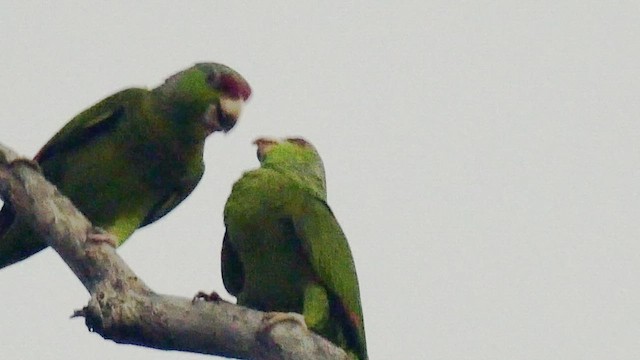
point(284, 251)
point(131, 158)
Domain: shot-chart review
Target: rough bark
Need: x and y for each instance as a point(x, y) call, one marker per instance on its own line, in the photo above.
point(122, 308)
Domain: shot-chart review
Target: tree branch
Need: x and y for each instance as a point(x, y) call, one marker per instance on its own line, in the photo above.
point(122, 308)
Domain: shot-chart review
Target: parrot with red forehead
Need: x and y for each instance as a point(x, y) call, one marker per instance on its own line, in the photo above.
point(133, 157)
point(284, 251)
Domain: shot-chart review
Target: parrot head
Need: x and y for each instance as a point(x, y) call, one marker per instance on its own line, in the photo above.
point(213, 93)
point(295, 157)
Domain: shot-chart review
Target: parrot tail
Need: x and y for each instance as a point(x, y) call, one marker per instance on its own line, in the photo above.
point(15, 244)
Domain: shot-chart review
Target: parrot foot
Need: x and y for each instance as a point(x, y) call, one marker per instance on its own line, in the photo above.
point(99, 236)
point(212, 297)
point(272, 318)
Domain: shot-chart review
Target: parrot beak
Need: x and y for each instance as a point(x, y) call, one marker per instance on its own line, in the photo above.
point(223, 116)
point(264, 145)
point(231, 109)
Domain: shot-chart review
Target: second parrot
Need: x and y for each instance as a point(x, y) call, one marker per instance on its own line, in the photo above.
point(283, 249)
point(133, 157)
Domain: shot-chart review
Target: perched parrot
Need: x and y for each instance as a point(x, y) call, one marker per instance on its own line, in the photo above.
point(133, 157)
point(284, 251)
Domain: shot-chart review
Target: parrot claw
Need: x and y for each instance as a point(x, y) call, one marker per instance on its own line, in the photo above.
point(99, 236)
point(272, 318)
point(212, 297)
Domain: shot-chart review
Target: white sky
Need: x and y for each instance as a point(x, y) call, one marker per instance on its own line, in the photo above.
point(482, 158)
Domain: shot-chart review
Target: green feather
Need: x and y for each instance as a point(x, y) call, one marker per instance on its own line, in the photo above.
point(284, 250)
point(133, 157)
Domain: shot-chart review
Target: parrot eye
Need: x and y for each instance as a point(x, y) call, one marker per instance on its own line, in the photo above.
point(213, 80)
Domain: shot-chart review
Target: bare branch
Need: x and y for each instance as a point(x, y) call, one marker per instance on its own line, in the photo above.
point(122, 308)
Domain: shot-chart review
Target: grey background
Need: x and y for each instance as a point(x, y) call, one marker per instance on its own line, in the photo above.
point(482, 159)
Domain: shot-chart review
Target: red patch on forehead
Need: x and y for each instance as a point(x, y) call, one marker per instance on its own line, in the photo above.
point(235, 87)
point(300, 142)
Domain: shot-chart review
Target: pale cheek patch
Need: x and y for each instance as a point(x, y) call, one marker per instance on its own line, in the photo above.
point(232, 107)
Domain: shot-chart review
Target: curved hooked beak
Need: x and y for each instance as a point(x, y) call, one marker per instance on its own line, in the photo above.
point(264, 145)
point(224, 115)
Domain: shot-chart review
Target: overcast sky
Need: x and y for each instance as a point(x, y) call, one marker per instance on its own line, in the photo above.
point(482, 158)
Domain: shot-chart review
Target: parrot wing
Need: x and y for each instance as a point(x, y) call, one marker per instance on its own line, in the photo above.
point(328, 252)
point(95, 121)
point(98, 120)
point(173, 198)
point(232, 270)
